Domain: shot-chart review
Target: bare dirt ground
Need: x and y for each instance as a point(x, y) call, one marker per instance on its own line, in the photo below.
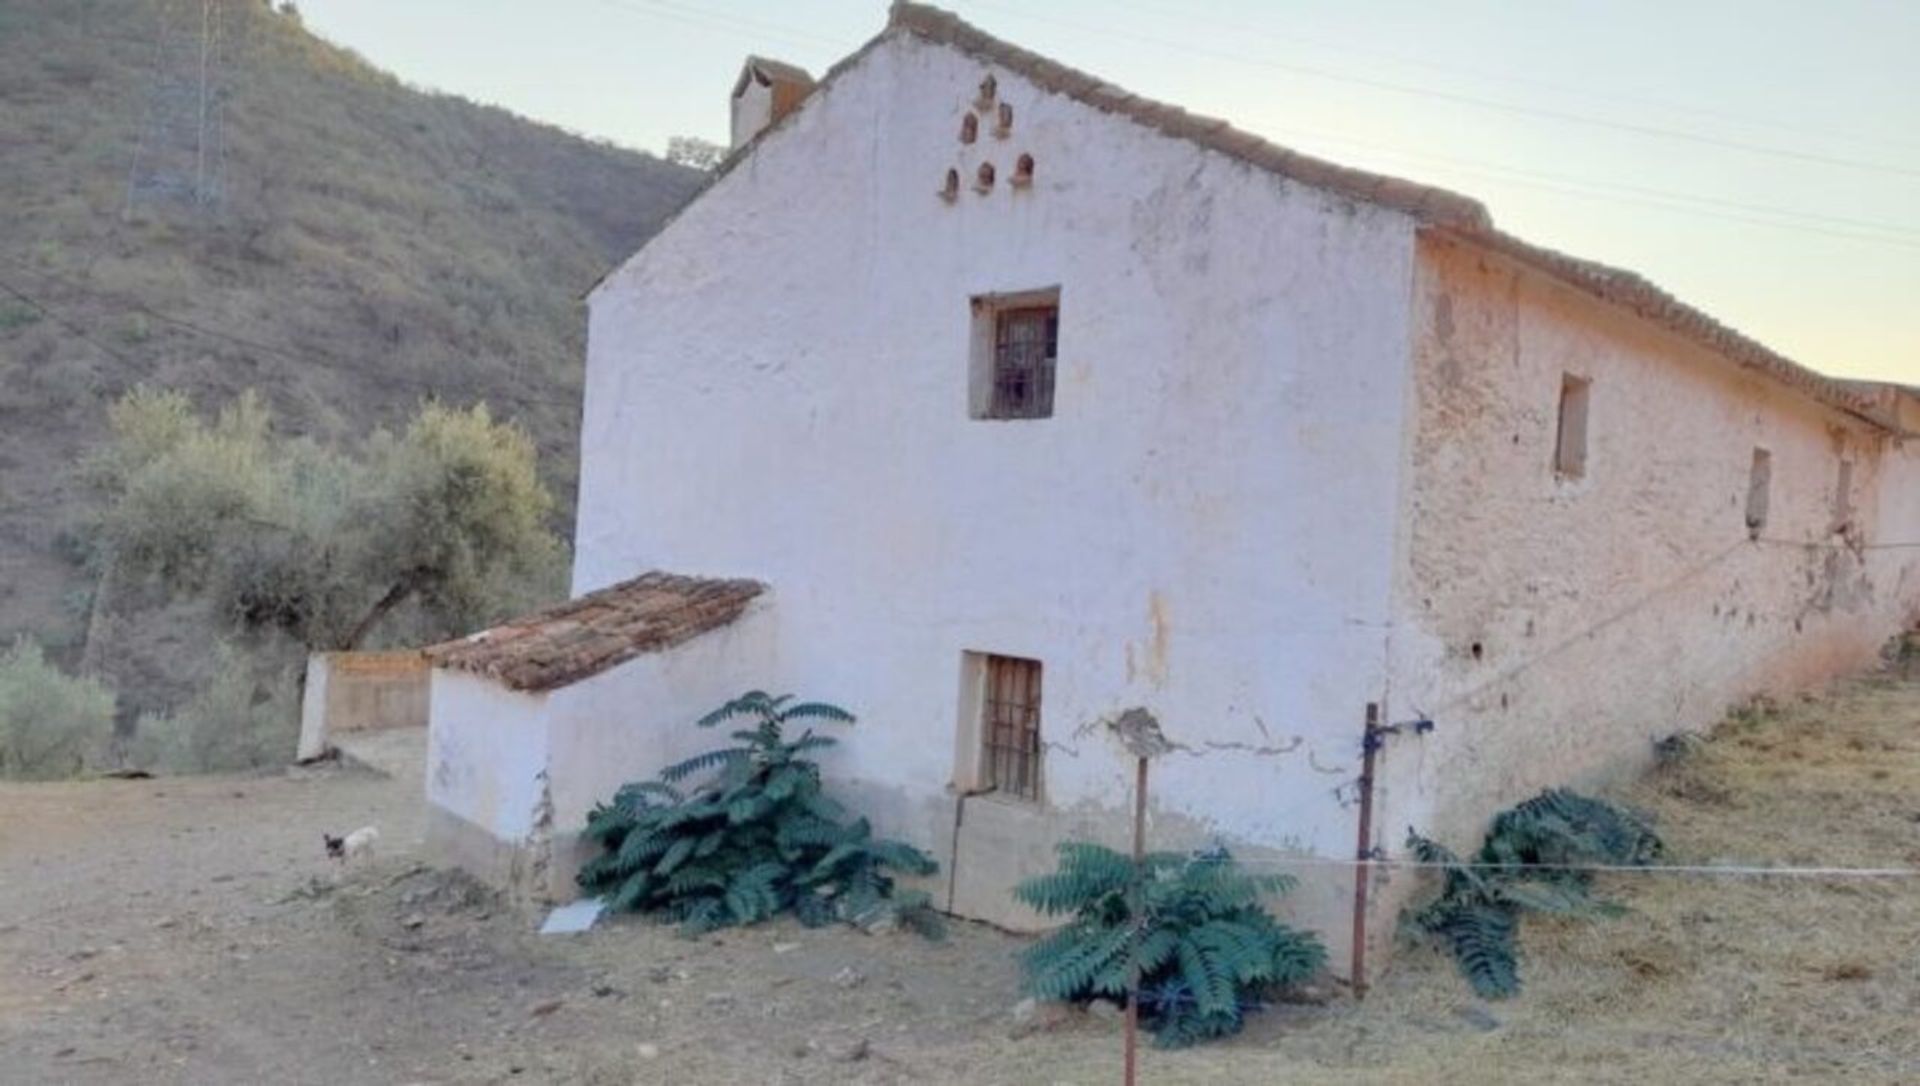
point(189, 930)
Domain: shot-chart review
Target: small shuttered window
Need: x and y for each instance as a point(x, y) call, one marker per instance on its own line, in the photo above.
point(1570, 441)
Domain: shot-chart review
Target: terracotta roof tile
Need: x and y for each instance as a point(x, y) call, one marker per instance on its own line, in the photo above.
point(1431, 204)
point(1433, 208)
point(1634, 293)
point(583, 637)
point(780, 69)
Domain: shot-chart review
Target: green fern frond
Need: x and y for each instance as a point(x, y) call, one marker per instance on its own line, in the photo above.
point(630, 893)
point(700, 763)
point(1529, 861)
point(814, 710)
point(751, 703)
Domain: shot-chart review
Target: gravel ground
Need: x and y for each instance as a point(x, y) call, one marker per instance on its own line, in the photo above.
point(190, 930)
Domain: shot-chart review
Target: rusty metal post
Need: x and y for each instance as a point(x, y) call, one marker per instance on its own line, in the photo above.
point(1139, 734)
point(1139, 918)
point(1369, 743)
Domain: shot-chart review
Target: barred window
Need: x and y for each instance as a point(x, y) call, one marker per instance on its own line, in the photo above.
point(1010, 726)
point(1025, 345)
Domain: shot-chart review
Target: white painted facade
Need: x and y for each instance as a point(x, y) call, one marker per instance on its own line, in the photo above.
point(778, 387)
point(1272, 491)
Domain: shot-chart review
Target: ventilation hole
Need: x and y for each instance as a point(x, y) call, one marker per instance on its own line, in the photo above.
point(1005, 124)
point(989, 90)
point(1479, 651)
point(951, 190)
point(1023, 171)
point(983, 180)
point(969, 128)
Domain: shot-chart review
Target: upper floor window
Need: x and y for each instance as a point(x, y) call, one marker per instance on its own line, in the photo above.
point(1843, 497)
point(1016, 353)
point(1759, 490)
point(1570, 442)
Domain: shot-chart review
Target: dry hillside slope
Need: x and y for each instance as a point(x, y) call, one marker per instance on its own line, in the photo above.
point(376, 244)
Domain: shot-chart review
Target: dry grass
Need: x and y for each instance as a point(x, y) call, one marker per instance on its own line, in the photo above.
point(1708, 979)
point(416, 244)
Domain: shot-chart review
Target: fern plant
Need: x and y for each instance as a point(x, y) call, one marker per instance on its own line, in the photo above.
point(1529, 862)
point(1208, 952)
point(754, 835)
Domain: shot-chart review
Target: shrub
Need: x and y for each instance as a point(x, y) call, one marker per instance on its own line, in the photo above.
point(324, 545)
point(1529, 862)
point(51, 724)
point(1208, 951)
point(235, 722)
point(759, 837)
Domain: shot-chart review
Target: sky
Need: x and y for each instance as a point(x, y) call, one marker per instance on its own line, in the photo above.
point(1757, 158)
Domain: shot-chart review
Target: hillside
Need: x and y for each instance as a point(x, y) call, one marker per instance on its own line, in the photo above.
point(374, 244)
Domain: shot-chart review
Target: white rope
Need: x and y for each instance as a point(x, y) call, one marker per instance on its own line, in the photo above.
point(1725, 870)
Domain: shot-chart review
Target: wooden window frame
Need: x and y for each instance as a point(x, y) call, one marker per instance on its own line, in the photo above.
point(1002, 705)
point(1015, 378)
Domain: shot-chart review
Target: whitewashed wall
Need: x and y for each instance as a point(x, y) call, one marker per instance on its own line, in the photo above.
point(628, 723)
point(1624, 606)
point(487, 756)
point(777, 387)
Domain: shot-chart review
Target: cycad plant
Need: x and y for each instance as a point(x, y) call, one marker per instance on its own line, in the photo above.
point(1531, 861)
point(754, 836)
point(1208, 951)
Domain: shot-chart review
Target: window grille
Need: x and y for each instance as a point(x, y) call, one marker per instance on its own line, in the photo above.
point(1011, 726)
point(1025, 344)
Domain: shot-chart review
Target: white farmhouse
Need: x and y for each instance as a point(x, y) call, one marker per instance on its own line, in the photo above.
point(989, 400)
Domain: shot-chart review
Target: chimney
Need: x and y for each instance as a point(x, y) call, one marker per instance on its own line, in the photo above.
point(766, 91)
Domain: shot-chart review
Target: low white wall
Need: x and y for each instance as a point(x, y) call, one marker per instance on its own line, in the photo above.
point(360, 691)
point(487, 755)
point(628, 723)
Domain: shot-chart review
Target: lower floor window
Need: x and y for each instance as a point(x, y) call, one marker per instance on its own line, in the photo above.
point(1010, 726)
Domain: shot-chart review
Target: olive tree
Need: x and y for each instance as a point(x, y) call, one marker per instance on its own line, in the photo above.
point(323, 544)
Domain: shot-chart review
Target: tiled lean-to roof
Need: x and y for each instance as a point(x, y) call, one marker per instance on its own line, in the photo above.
point(600, 630)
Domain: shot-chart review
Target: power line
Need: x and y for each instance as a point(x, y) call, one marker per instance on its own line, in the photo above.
point(1720, 870)
point(721, 21)
point(70, 326)
point(304, 358)
point(1189, 16)
point(1705, 207)
point(1473, 100)
point(1644, 196)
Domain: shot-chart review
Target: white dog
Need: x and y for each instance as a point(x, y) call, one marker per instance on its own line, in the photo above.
point(356, 845)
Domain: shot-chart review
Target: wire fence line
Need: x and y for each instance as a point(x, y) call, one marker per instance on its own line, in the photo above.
point(1710, 870)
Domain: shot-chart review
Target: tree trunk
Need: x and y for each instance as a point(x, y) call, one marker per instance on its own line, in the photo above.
point(93, 644)
point(395, 596)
